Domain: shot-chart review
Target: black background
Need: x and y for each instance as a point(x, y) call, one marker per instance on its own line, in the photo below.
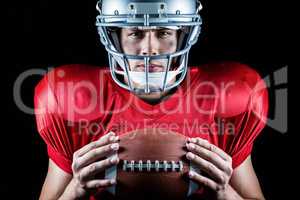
point(44, 33)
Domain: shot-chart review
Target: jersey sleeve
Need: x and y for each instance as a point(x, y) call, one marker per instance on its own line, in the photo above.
point(51, 125)
point(249, 124)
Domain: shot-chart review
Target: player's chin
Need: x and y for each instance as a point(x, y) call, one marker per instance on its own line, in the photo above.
point(154, 90)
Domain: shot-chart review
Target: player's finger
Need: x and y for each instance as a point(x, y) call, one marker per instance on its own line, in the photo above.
point(106, 139)
point(210, 157)
point(210, 147)
point(203, 180)
point(94, 184)
point(208, 167)
point(88, 172)
point(95, 154)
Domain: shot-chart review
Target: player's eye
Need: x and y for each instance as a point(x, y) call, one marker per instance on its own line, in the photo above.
point(164, 33)
point(136, 34)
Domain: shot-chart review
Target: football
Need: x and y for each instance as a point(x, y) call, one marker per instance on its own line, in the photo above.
point(152, 166)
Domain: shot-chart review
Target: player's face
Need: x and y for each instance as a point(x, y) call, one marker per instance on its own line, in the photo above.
point(150, 42)
point(135, 41)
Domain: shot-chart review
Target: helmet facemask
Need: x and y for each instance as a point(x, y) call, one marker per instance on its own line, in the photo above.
point(146, 74)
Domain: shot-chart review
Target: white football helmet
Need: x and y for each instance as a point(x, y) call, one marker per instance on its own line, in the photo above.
point(173, 14)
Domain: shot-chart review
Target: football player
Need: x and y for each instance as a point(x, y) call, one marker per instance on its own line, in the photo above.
point(82, 110)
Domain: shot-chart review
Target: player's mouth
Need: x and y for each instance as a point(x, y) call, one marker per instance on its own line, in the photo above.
point(152, 68)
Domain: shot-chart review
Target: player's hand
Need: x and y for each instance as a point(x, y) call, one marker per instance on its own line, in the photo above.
point(88, 161)
point(212, 160)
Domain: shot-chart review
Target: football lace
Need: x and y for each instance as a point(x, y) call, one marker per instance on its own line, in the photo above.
point(157, 166)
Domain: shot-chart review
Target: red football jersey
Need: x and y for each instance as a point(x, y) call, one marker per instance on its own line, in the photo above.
point(224, 103)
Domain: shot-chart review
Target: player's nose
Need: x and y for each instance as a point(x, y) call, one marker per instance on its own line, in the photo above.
point(150, 45)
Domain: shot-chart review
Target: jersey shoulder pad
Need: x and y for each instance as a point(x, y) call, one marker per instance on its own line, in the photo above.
point(235, 85)
point(75, 91)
